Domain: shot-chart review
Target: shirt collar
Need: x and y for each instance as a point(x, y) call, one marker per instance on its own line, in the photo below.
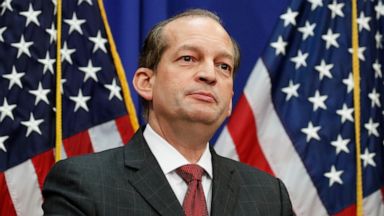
point(168, 157)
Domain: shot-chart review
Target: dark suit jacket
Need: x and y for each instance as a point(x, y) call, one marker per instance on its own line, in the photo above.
point(129, 181)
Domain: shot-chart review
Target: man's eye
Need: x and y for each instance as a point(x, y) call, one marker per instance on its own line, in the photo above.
point(224, 67)
point(187, 58)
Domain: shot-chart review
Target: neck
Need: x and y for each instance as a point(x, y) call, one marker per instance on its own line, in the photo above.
point(190, 139)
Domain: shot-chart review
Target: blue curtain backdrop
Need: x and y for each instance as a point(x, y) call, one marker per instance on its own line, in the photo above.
point(250, 22)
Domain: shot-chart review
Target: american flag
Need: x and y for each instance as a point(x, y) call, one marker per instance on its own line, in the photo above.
point(296, 116)
point(94, 102)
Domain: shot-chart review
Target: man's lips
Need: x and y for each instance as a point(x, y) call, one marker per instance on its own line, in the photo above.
point(203, 96)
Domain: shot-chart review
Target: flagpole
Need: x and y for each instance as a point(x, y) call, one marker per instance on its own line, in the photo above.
point(59, 119)
point(119, 70)
point(356, 100)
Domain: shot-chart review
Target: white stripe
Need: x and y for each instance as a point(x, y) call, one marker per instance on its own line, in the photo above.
point(24, 189)
point(277, 147)
point(224, 145)
point(62, 151)
point(373, 204)
point(105, 136)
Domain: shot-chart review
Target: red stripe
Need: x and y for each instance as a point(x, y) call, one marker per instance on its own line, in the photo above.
point(6, 204)
point(243, 130)
point(382, 193)
point(43, 163)
point(124, 125)
point(351, 210)
point(78, 144)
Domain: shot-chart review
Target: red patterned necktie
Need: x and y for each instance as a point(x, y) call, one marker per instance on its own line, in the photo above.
point(194, 203)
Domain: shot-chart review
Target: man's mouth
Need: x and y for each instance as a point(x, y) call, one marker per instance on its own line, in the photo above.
point(203, 96)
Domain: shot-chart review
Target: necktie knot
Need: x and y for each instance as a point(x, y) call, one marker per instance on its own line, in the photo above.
point(190, 172)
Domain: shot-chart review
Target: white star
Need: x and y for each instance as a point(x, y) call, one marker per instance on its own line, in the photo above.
point(99, 42)
point(114, 90)
point(90, 71)
point(81, 1)
point(279, 46)
point(291, 90)
point(6, 110)
point(363, 22)
point(300, 59)
point(52, 33)
point(336, 9)
point(32, 125)
point(48, 63)
point(345, 113)
point(360, 51)
point(23, 47)
point(349, 82)
point(31, 16)
point(378, 38)
point(334, 176)
point(2, 30)
point(377, 67)
point(315, 4)
point(80, 100)
point(340, 144)
point(307, 30)
point(41, 94)
point(367, 158)
point(2, 142)
point(372, 127)
point(318, 101)
point(331, 39)
point(289, 17)
point(375, 98)
point(311, 132)
point(379, 8)
point(66, 53)
point(14, 78)
point(6, 5)
point(324, 69)
point(75, 24)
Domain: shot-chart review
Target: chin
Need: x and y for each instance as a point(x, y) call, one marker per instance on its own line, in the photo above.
point(206, 118)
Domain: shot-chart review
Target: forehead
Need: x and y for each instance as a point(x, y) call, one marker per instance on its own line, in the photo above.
point(197, 29)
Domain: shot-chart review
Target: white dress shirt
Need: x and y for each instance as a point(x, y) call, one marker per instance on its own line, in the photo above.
point(170, 159)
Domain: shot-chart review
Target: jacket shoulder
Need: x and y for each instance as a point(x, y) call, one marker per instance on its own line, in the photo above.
point(259, 192)
point(246, 171)
point(78, 185)
point(93, 158)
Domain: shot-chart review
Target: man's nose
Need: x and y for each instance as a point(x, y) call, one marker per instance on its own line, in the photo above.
point(207, 73)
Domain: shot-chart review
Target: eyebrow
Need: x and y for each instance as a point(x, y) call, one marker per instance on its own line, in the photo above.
point(187, 47)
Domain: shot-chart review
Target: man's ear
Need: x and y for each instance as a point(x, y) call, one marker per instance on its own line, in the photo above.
point(142, 82)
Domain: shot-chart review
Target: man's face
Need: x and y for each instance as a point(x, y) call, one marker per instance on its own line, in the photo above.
point(194, 78)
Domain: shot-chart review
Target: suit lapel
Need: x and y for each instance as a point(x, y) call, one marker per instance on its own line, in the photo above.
point(147, 177)
point(225, 186)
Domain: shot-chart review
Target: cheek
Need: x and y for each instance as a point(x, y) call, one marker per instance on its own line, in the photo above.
point(227, 90)
point(167, 89)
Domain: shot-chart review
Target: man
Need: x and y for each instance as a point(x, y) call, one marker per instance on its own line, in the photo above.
point(185, 81)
